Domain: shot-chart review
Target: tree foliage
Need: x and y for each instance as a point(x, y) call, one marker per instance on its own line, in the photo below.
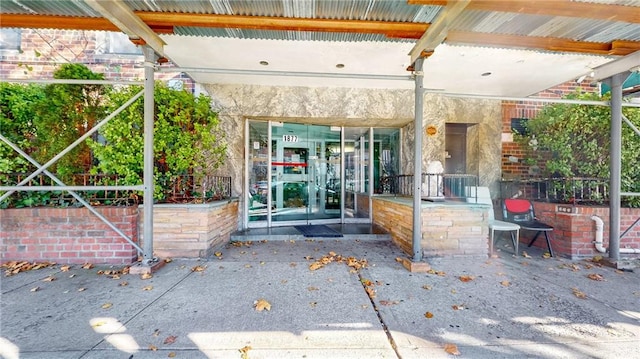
point(66, 112)
point(574, 141)
point(187, 140)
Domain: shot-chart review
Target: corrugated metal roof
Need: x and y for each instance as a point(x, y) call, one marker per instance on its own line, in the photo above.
point(574, 28)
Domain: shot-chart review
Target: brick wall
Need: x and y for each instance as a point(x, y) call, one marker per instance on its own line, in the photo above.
point(574, 233)
point(528, 109)
point(192, 231)
point(42, 51)
point(448, 229)
point(67, 235)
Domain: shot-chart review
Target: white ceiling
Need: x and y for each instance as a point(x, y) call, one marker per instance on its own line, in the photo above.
point(452, 69)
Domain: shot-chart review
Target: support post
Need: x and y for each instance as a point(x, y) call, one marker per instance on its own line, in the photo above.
point(417, 161)
point(615, 165)
point(149, 85)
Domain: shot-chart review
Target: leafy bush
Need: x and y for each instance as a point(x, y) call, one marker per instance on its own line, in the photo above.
point(187, 140)
point(574, 141)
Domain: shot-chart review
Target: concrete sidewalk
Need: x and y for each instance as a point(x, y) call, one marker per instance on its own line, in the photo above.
point(502, 307)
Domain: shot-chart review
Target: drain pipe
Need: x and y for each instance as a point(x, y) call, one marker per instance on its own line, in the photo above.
point(600, 244)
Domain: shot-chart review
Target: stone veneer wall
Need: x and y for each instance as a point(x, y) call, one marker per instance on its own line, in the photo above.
point(67, 235)
point(356, 107)
point(483, 136)
point(448, 229)
point(574, 233)
point(192, 230)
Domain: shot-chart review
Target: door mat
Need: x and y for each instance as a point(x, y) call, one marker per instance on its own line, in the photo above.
point(317, 231)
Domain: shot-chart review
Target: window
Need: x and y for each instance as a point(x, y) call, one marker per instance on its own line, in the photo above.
point(10, 39)
point(519, 126)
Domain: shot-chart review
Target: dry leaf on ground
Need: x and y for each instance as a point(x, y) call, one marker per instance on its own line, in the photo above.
point(149, 287)
point(123, 283)
point(49, 279)
point(153, 348)
point(87, 266)
point(262, 304)
point(34, 289)
point(427, 287)
point(436, 272)
point(244, 352)
point(389, 302)
point(579, 293)
point(198, 268)
point(146, 276)
point(505, 283)
point(595, 276)
point(106, 306)
point(65, 268)
point(457, 307)
point(81, 289)
point(451, 349)
point(525, 254)
point(466, 278)
point(428, 315)
point(171, 355)
point(170, 339)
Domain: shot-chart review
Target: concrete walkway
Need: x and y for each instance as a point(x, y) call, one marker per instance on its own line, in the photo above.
point(505, 307)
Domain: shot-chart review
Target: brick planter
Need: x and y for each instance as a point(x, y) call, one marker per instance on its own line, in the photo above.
point(67, 235)
point(191, 230)
point(449, 229)
point(574, 230)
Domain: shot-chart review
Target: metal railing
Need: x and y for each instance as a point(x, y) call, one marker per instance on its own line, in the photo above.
point(175, 189)
point(434, 185)
point(575, 190)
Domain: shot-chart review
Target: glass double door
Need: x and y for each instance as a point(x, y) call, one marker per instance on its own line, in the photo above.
point(293, 174)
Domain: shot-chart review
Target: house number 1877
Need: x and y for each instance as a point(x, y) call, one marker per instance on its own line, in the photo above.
point(289, 138)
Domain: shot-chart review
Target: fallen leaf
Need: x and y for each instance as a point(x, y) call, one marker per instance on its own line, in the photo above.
point(149, 287)
point(65, 268)
point(436, 272)
point(451, 349)
point(218, 254)
point(389, 302)
point(427, 287)
point(106, 306)
point(72, 275)
point(153, 348)
point(525, 254)
point(505, 283)
point(313, 304)
point(146, 276)
point(546, 255)
point(293, 264)
point(49, 279)
point(156, 332)
point(124, 283)
point(87, 266)
point(171, 355)
point(466, 278)
point(578, 293)
point(313, 288)
point(596, 259)
point(262, 304)
point(168, 260)
point(34, 289)
point(198, 268)
point(170, 339)
point(371, 292)
point(244, 352)
point(81, 289)
point(115, 276)
point(247, 265)
point(595, 276)
point(398, 259)
point(315, 266)
point(428, 315)
point(618, 271)
point(457, 307)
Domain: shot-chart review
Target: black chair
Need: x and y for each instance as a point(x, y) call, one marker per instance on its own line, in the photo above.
point(520, 211)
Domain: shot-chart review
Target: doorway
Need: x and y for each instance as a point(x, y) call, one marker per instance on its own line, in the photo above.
point(311, 174)
point(300, 181)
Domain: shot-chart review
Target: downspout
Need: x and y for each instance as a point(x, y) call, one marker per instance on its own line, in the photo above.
point(600, 244)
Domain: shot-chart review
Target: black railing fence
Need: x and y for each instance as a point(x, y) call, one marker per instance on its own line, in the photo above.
point(449, 186)
point(576, 190)
point(174, 189)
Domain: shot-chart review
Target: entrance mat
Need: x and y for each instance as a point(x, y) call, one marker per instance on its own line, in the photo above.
point(317, 231)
